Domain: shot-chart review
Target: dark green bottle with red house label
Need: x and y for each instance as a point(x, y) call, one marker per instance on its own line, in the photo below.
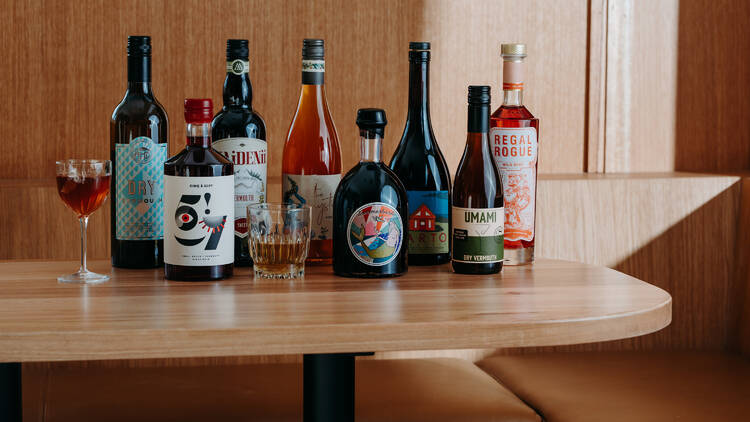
point(420, 166)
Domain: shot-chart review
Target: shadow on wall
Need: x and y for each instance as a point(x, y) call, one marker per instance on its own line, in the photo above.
point(713, 86)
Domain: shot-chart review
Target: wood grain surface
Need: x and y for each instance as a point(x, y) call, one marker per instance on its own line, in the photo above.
point(138, 314)
point(64, 68)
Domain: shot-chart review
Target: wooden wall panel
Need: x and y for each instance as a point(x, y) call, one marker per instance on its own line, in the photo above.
point(65, 67)
point(641, 75)
point(466, 40)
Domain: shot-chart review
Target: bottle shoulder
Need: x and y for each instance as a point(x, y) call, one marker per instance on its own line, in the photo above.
point(196, 157)
point(512, 113)
point(135, 108)
point(238, 122)
point(419, 163)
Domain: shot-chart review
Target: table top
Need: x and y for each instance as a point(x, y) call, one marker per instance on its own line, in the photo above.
point(138, 314)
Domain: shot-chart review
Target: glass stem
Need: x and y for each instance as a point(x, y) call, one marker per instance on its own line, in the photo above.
point(84, 224)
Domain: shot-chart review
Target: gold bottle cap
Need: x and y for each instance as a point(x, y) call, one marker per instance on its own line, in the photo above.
point(513, 50)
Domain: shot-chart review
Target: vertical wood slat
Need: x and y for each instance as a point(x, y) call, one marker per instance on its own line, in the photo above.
point(596, 87)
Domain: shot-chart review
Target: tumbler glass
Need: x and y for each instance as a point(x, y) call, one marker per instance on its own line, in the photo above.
point(279, 238)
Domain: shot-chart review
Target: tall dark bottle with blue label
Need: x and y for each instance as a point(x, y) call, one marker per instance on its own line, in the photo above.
point(420, 166)
point(138, 133)
point(239, 133)
point(370, 210)
point(477, 210)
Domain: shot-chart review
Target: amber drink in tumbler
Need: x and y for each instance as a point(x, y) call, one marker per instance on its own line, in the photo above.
point(279, 239)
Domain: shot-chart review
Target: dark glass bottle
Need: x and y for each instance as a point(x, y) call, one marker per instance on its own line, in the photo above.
point(239, 133)
point(138, 135)
point(198, 204)
point(369, 210)
point(477, 211)
point(420, 166)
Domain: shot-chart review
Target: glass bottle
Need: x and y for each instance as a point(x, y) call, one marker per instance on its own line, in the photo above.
point(198, 204)
point(311, 164)
point(239, 133)
point(369, 210)
point(514, 135)
point(477, 211)
point(138, 133)
point(419, 164)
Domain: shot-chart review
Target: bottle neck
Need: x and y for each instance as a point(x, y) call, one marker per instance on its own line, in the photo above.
point(512, 83)
point(479, 118)
point(139, 74)
point(419, 91)
point(370, 146)
point(238, 90)
point(199, 135)
point(313, 71)
point(312, 99)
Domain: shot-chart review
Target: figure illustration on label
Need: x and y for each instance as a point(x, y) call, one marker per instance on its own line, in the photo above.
point(186, 219)
point(375, 234)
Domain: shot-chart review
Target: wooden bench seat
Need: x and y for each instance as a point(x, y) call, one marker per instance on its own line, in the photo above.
point(628, 386)
point(386, 390)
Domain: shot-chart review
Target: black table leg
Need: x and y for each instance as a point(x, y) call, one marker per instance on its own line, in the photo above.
point(329, 387)
point(10, 392)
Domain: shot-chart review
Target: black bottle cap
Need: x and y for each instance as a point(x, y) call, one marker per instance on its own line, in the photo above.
point(372, 120)
point(479, 95)
point(139, 46)
point(419, 45)
point(313, 49)
point(237, 49)
point(419, 51)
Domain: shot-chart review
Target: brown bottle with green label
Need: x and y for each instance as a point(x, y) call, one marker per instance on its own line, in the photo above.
point(477, 209)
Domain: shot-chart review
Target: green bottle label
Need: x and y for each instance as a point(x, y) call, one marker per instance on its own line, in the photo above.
point(477, 235)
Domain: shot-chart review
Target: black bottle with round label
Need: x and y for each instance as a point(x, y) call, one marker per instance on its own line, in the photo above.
point(370, 210)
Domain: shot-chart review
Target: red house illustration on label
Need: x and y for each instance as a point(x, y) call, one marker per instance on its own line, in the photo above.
point(422, 219)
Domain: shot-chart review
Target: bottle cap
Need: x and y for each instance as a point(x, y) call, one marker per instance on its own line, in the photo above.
point(372, 120)
point(419, 51)
point(479, 95)
point(199, 110)
point(419, 45)
point(313, 49)
point(139, 46)
point(513, 51)
point(237, 49)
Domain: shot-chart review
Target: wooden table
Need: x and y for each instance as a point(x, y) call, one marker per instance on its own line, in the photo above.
point(138, 314)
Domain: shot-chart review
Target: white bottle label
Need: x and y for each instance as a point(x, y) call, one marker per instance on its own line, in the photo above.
point(315, 191)
point(198, 220)
point(250, 169)
point(515, 151)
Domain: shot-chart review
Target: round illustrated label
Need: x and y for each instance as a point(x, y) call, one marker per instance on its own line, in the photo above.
point(375, 233)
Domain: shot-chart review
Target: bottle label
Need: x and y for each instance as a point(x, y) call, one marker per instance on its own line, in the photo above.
point(315, 191)
point(375, 233)
point(515, 150)
point(198, 220)
point(477, 235)
point(317, 66)
point(249, 158)
point(139, 209)
point(428, 222)
point(238, 67)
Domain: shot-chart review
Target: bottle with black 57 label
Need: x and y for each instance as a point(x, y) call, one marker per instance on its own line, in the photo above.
point(198, 204)
point(477, 210)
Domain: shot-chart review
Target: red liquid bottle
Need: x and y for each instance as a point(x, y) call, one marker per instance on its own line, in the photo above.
point(198, 204)
point(311, 164)
point(514, 136)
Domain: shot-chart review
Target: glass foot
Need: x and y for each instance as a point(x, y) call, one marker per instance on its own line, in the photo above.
point(83, 277)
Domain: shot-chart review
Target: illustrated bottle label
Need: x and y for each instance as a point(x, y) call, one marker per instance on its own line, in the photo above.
point(428, 222)
point(315, 191)
point(477, 235)
point(238, 67)
point(198, 220)
point(139, 209)
point(515, 151)
point(375, 233)
point(250, 169)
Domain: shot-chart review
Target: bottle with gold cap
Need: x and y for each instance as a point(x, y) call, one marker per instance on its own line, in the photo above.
point(514, 138)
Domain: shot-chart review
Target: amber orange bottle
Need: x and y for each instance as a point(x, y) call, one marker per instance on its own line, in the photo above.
point(311, 164)
point(514, 137)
